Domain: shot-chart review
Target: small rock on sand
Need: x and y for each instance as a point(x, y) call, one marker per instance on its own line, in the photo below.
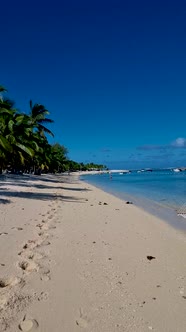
point(150, 257)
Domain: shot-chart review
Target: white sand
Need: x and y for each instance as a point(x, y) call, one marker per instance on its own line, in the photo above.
point(69, 263)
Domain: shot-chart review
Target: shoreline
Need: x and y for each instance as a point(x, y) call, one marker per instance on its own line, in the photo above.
point(74, 257)
point(155, 208)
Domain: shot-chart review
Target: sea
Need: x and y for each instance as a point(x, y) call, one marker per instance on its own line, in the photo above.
point(161, 192)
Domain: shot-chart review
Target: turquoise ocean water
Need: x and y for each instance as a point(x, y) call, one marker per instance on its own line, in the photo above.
point(161, 192)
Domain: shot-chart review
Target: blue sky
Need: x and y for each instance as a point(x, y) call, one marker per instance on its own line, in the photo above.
point(112, 74)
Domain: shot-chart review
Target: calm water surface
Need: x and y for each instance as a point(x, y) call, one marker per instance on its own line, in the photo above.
point(162, 192)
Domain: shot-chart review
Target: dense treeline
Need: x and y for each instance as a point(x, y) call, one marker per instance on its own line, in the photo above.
point(24, 146)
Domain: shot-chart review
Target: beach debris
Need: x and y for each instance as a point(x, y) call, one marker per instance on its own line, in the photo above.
point(100, 203)
point(105, 203)
point(94, 242)
point(128, 202)
point(150, 257)
point(109, 258)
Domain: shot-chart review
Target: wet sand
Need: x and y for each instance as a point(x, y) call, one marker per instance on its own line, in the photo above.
point(75, 258)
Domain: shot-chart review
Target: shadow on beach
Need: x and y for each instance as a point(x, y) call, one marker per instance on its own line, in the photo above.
point(30, 181)
point(41, 196)
point(4, 201)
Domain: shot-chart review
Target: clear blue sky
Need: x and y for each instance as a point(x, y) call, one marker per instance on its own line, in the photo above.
point(112, 74)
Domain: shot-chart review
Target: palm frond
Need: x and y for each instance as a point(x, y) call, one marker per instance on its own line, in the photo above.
point(4, 143)
point(46, 130)
point(2, 89)
point(7, 111)
point(10, 125)
point(46, 120)
point(26, 149)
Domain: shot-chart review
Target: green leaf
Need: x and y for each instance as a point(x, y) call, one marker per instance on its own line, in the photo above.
point(46, 130)
point(28, 131)
point(36, 146)
point(10, 125)
point(26, 149)
point(19, 119)
point(5, 144)
point(5, 110)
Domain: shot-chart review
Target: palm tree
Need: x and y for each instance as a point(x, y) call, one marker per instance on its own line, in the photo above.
point(16, 141)
point(38, 117)
point(23, 140)
point(5, 113)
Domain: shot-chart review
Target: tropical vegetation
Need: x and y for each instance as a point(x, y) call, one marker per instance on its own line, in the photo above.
point(24, 145)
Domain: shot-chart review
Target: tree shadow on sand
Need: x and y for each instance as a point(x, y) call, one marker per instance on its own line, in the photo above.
point(76, 189)
point(27, 184)
point(30, 181)
point(35, 178)
point(40, 196)
point(4, 201)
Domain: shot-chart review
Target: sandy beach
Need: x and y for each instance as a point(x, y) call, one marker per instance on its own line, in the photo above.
point(74, 258)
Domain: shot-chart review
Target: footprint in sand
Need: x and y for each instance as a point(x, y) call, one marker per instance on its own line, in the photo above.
point(9, 282)
point(51, 227)
point(41, 233)
point(36, 256)
point(31, 244)
point(28, 324)
point(28, 266)
point(45, 243)
point(43, 296)
point(18, 228)
point(45, 277)
point(50, 217)
point(82, 321)
point(39, 225)
point(45, 274)
point(3, 233)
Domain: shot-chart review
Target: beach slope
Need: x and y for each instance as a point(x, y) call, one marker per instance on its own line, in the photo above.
point(74, 258)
